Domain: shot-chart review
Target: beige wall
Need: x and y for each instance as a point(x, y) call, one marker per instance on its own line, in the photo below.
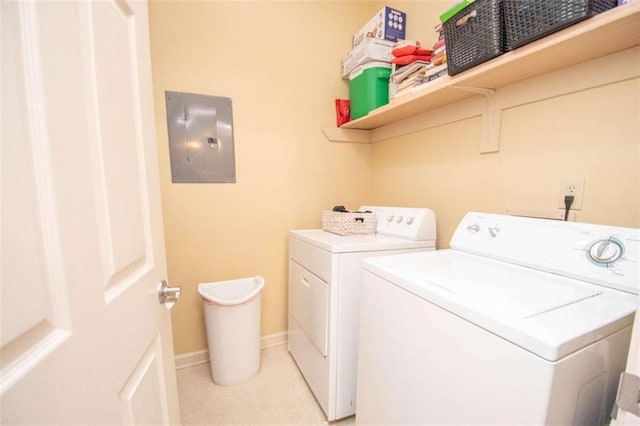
point(592, 134)
point(283, 79)
point(280, 64)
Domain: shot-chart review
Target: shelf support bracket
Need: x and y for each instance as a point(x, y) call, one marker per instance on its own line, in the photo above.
point(490, 138)
point(489, 93)
point(337, 134)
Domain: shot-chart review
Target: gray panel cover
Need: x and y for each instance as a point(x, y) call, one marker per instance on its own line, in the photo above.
point(200, 138)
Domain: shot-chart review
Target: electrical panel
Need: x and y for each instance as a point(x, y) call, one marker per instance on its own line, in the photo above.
point(200, 138)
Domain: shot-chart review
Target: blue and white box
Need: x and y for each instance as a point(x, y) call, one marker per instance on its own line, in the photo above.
point(387, 24)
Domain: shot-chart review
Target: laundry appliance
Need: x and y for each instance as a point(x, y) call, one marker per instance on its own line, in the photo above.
point(324, 289)
point(522, 321)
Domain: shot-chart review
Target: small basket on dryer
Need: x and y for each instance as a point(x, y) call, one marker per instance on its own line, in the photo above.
point(346, 223)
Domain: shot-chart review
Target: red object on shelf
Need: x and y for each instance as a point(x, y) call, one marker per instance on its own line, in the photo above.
point(407, 59)
point(343, 111)
point(410, 50)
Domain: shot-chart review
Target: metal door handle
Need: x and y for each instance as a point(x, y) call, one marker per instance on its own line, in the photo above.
point(168, 296)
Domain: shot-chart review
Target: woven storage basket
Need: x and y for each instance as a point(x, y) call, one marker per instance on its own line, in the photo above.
point(474, 35)
point(529, 20)
point(344, 223)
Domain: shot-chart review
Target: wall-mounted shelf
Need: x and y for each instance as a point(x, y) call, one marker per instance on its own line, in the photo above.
point(607, 33)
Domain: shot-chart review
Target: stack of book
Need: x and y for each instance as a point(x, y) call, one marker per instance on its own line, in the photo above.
point(406, 77)
point(439, 55)
point(407, 66)
point(411, 77)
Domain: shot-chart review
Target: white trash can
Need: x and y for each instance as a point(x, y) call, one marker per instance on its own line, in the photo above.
point(232, 316)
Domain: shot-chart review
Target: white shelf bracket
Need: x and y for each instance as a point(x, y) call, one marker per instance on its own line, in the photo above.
point(336, 134)
point(490, 138)
point(489, 93)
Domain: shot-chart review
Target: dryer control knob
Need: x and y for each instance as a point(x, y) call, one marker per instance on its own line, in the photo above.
point(399, 219)
point(605, 252)
point(409, 220)
point(493, 231)
point(390, 218)
point(473, 228)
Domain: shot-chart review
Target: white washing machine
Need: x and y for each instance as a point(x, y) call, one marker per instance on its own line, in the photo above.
point(324, 289)
point(522, 321)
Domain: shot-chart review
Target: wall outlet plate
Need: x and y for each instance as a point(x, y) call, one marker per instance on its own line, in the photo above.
point(571, 186)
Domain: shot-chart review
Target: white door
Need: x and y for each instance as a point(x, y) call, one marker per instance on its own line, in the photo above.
point(84, 338)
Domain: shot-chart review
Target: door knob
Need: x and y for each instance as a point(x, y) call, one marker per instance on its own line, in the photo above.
point(168, 296)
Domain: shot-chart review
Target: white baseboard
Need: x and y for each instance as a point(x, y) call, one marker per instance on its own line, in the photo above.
point(192, 358)
point(201, 357)
point(274, 339)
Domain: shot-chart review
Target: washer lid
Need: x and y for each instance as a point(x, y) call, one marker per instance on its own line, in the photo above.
point(547, 314)
point(335, 243)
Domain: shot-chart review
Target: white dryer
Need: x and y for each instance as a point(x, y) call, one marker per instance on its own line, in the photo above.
point(324, 291)
point(522, 321)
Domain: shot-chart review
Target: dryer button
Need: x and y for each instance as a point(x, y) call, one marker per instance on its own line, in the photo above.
point(473, 228)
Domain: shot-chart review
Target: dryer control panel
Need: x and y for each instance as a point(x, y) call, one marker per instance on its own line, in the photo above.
point(408, 223)
point(600, 254)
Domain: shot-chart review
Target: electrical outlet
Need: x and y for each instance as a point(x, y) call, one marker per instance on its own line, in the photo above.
point(571, 186)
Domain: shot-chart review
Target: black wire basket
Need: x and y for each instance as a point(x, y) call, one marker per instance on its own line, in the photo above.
point(529, 20)
point(474, 35)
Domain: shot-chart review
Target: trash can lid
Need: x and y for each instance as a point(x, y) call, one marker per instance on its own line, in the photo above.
point(232, 292)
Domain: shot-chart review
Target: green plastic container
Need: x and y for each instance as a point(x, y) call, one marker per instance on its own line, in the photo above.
point(368, 88)
point(455, 9)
